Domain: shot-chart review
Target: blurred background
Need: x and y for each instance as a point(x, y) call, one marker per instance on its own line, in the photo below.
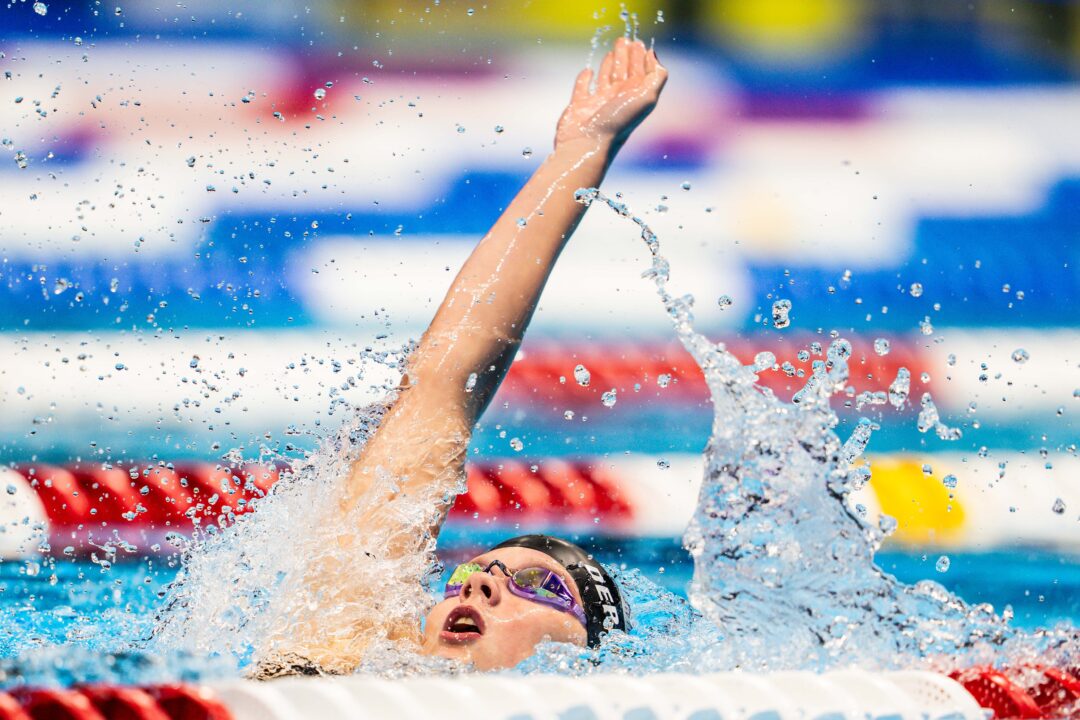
point(219, 223)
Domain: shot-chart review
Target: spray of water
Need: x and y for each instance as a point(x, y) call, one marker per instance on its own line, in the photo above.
point(783, 560)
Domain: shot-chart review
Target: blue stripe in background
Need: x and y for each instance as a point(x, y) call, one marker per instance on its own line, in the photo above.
point(1037, 254)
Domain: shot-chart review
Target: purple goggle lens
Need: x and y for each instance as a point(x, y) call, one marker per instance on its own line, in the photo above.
point(536, 584)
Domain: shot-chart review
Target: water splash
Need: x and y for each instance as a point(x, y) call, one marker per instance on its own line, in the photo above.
point(783, 561)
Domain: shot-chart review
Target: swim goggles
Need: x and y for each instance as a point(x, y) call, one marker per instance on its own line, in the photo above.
point(536, 584)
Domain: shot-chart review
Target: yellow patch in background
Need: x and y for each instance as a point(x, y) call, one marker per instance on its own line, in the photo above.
point(919, 502)
point(785, 27)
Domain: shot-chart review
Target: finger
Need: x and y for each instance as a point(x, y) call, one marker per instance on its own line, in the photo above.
point(637, 59)
point(581, 85)
point(651, 63)
point(604, 79)
point(622, 60)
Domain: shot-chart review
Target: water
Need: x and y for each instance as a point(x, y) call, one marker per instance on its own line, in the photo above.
point(783, 564)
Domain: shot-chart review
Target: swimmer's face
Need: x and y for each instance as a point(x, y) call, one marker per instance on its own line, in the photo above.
point(508, 627)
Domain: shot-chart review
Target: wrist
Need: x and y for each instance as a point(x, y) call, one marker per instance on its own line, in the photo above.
point(602, 150)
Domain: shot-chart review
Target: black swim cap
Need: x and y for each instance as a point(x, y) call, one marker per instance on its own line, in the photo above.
point(599, 594)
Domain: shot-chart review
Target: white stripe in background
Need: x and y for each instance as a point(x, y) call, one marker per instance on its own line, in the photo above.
point(22, 516)
point(1014, 507)
point(1048, 379)
point(596, 286)
point(66, 383)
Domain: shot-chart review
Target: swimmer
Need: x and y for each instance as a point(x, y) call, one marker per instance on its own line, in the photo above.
point(498, 606)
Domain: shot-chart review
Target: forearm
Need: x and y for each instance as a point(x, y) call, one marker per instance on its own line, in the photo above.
point(481, 322)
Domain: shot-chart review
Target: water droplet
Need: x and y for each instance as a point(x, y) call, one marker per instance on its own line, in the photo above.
point(949, 481)
point(516, 444)
point(663, 380)
point(663, 464)
point(470, 383)
point(942, 564)
point(725, 302)
point(499, 128)
point(1020, 356)
point(881, 346)
point(470, 12)
point(608, 398)
point(685, 185)
point(521, 222)
point(527, 152)
point(194, 361)
point(190, 161)
point(460, 128)
point(40, 8)
point(320, 93)
point(568, 415)
point(11, 490)
point(763, 361)
point(780, 310)
point(582, 376)
point(925, 326)
point(20, 159)
point(900, 387)
point(1059, 506)
point(916, 289)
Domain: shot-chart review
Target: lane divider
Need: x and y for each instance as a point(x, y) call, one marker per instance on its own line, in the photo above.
point(77, 508)
point(545, 372)
point(943, 500)
point(1030, 692)
point(113, 702)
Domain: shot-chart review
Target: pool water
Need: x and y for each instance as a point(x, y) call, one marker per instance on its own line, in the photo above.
point(98, 611)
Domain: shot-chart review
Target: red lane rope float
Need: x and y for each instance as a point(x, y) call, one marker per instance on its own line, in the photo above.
point(1057, 693)
point(993, 690)
point(63, 498)
point(184, 702)
point(572, 492)
point(86, 504)
point(110, 702)
point(545, 373)
point(123, 703)
point(48, 704)
point(10, 709)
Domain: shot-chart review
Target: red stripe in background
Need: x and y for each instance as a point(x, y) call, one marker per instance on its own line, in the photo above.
point(88, 505)
point(536, 377)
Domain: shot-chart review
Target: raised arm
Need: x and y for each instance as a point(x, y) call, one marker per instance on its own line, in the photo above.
point(467, 350)
point(480, 324)
point(365, 582)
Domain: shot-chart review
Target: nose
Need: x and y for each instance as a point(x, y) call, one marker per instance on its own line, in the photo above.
point(483, 587)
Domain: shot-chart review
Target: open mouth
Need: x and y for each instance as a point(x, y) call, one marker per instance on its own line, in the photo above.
point(463, 625)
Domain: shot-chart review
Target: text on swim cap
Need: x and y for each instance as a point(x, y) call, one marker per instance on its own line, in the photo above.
point(602, 591)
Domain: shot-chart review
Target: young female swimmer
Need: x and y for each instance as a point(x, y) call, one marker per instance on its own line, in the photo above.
point(500, 605)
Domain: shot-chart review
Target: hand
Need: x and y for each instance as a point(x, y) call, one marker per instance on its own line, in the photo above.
point(627, 88)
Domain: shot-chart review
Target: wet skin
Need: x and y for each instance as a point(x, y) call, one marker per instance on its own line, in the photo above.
point(490, 627)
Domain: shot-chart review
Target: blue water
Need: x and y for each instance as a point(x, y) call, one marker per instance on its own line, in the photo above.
point(99, 610)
